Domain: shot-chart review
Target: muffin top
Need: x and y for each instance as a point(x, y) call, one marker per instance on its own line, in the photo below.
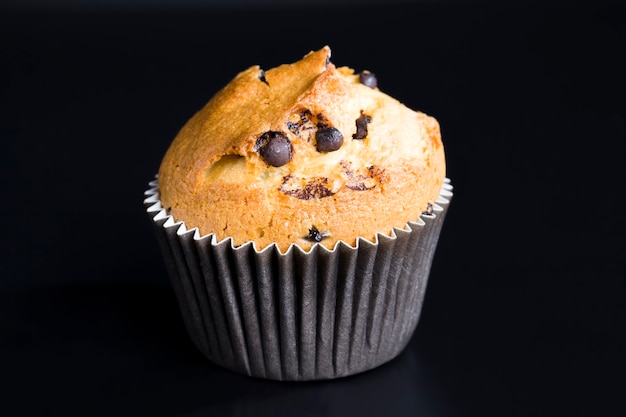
point(303, 153)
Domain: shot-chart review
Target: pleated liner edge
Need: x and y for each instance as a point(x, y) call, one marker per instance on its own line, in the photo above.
point(299, 315)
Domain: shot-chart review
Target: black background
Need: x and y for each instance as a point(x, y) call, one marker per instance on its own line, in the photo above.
point(525, 309)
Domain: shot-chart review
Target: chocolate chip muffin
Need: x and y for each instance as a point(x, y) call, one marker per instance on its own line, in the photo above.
point(298, 214)
point(303, 153)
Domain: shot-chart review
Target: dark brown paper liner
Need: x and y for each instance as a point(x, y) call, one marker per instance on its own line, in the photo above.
point(299, 315)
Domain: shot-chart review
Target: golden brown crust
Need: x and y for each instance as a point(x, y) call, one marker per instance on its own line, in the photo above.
point(215, 178)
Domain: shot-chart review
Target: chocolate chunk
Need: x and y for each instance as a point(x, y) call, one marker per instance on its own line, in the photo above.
point(368, 79)
point(306, 188)
point(429, 210)
point(377, 173)
point(328, 139)
point(274, 148)
point(363, 179)
point(293, 128)
point(301, 123)
point(361, 126)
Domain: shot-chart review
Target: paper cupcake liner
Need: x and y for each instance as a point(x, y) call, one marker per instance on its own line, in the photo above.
point(299, 315)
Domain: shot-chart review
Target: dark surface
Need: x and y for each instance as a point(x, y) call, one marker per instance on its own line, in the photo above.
point(525, 309)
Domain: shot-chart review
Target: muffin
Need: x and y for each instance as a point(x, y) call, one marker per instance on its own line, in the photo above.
point(298, 213)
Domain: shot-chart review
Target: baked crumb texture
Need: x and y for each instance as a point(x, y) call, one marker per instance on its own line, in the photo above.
point(304, 153)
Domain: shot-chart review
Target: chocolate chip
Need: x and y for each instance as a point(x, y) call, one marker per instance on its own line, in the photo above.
point(368, 79)
point(315, 235)
point(274, 148)
point(328, 139)
point(361, 126)
point(262, 77)
point(429, 210)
